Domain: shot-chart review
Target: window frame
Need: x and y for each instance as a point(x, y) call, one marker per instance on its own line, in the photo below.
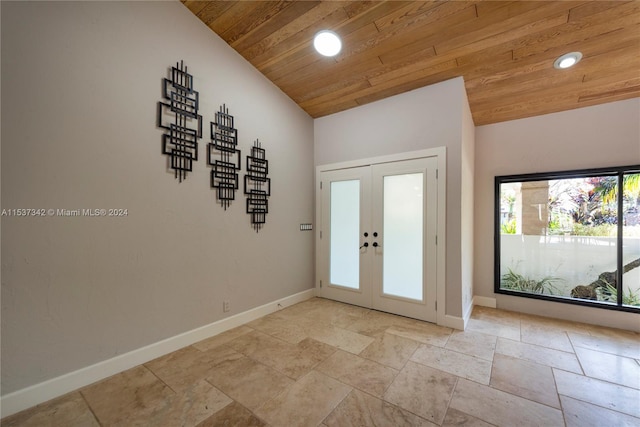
point(619, 172)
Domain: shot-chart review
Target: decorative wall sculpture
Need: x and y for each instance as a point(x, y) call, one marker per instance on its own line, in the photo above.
point(224, 175)
point(257, 186)
point(181, 140)
point(178, 115)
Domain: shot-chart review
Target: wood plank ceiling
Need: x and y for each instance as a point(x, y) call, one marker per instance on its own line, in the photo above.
point(504, 50)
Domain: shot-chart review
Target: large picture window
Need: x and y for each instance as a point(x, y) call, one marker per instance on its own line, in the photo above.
point(570, 236)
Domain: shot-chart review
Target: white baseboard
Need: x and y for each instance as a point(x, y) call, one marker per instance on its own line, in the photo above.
point(454, 322)
point(460, 323)
point(484, 301)
point(55, 387)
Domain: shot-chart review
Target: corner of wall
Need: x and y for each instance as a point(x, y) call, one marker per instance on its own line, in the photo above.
point(484, 301)
point(467, 205)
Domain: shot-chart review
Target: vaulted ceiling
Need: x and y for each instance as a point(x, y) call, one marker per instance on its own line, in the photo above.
point(504, 50)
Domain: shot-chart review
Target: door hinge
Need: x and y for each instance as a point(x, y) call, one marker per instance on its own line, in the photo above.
point(436, 173)
point(436, 305)
point(436, 239)
point(321, 185)
point(321, 234)
point(320, 283)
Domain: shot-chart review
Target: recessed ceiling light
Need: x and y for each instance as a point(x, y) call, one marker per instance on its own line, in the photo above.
point(327, 43)
point(567, 60)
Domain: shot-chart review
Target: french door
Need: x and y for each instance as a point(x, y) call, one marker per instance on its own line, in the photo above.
point(378, 237)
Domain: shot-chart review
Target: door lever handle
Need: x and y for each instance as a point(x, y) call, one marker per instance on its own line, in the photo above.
point(366, 245)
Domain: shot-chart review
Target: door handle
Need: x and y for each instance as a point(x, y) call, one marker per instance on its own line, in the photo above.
point(376, 245)
point(366, 245)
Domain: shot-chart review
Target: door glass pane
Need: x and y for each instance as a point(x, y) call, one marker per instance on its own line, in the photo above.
point(345, 234)
point(631, 240)
point(402, 232)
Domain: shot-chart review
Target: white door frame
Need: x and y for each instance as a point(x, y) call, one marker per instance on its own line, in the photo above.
point(441, 154)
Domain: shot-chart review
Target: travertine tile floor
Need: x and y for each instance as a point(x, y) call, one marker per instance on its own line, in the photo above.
point(330, 364)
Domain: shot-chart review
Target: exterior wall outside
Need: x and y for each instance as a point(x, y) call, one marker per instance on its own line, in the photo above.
point(569, 260)
point(80, 87)
point(535, 207)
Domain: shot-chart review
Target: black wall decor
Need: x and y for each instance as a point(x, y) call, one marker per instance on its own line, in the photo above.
point(224, 175)
point(257, 186)
point(181, 140)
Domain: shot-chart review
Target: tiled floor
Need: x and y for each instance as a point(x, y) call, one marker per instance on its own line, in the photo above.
point(330, 364)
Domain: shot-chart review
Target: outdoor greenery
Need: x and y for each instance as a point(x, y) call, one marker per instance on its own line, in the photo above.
point(581, 206)
point(517, 282)
point(604, 230)
point(610, 294)
point(607, 188)
point(509, 227)
point(508, 224)
point(588, 206)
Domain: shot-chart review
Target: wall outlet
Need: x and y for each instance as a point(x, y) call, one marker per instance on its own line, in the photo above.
point(225, 306)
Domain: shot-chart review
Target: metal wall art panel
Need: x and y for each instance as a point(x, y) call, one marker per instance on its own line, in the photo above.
point(179, 116)
point(224, 175)
point(257, 186)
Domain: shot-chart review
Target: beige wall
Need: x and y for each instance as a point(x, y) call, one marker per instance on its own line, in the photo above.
point(423, 118)
point(80, 86)
point(599, 136)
